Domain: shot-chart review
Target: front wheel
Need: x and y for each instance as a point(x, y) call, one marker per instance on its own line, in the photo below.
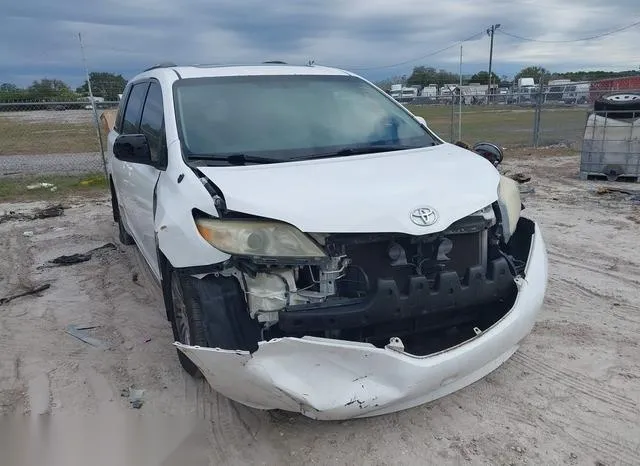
point(209, 312)
point(187, 319)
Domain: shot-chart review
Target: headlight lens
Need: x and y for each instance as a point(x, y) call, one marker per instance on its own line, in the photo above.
point(510, 205)
point(257, 238)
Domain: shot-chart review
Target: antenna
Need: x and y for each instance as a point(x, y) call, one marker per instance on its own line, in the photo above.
point(93, 105)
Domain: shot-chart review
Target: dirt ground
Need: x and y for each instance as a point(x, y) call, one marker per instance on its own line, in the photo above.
point(569, 396)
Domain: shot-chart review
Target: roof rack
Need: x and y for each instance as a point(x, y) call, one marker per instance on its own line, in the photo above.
point(161, 65)
point(274, 62)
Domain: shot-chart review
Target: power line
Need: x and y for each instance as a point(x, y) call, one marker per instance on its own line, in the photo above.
point(597, 36)
point(421, 57)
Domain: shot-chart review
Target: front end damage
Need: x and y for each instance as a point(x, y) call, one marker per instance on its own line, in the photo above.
point(383, 322)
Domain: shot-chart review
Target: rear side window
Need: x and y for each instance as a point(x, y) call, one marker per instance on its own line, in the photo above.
point(133, 109)
point(152, 121)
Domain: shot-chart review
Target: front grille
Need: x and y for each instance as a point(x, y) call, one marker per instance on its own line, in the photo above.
point(421, 256)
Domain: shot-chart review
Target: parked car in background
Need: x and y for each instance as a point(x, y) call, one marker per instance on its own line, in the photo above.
point(319, 248)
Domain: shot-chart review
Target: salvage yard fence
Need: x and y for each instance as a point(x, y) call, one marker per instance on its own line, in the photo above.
point(61, 137)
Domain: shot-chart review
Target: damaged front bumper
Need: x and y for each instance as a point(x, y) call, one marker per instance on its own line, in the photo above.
point(333, 379)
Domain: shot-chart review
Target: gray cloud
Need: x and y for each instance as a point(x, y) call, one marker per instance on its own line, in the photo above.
point(39, 38)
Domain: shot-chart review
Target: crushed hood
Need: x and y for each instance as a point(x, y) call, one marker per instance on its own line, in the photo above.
point(365, 193)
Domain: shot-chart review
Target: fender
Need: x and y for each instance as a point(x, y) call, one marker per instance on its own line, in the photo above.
point(178, 191)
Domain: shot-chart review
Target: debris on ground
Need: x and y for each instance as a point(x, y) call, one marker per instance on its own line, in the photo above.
point(608, 190)
point(520, 177)
point(634, 194)
point(28, 292)
point(49, 211)
point(81, 334)
point(135, 396)
point(79, 257)
point(72, 259)
point(40, 186)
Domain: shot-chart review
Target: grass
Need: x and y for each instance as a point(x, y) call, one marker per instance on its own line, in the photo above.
point(15, 188)
point(25, 137)
point(504, 125)
point(507, 126)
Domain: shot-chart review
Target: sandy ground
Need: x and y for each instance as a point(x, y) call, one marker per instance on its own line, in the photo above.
point(571, 395)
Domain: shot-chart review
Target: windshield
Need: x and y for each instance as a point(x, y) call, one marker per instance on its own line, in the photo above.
point(289, 117)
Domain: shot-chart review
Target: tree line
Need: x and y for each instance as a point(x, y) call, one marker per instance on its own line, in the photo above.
point(423, 76)
point(105, 85)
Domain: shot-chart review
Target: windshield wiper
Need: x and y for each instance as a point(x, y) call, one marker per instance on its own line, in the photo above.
point(234, 159)
point(357, 150)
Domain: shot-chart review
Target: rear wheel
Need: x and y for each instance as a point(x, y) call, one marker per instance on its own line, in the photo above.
point(124, 237)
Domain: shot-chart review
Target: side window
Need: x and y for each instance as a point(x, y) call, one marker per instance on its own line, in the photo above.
point(152, 121)
point(133, 109)
point(121, 105)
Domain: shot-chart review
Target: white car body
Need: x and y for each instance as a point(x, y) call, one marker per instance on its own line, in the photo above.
point(371, 193)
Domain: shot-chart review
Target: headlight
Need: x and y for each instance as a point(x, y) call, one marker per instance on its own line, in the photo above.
point(510, 205)
point(257, 238)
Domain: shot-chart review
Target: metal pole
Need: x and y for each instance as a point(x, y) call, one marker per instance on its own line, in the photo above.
point(460, 101)
point(93, 106)
point(492, 29)
point(536, 123)
point(451, 91)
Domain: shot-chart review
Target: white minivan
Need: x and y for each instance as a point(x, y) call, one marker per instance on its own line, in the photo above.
point(320, 249)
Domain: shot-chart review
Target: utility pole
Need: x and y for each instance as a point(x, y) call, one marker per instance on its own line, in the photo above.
point(490, 33)
point(460, 101)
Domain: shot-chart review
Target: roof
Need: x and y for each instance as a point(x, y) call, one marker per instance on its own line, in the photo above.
point(205, 71)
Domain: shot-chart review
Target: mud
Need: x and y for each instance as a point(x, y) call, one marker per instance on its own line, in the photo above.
point(570, 395)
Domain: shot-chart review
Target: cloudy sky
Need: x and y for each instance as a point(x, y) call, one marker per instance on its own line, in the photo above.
point(38, 38)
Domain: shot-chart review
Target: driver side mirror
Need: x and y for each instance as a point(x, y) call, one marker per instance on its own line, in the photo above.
point(421, 120)
point(133, 148)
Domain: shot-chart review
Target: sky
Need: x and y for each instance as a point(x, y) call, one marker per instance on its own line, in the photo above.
point(39, 38)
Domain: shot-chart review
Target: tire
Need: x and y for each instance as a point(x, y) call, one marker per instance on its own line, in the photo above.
point(124, 237)
point(209, 312)
point(619, 106)
point(187, 319)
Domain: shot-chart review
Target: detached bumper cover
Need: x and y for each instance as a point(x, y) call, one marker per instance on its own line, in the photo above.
point(332, 379)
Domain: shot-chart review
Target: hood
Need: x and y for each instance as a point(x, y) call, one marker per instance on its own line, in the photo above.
point(365, 193)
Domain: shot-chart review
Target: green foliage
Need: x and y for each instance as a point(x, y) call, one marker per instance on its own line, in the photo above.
point(482, 77)
point(531, 72)
point(424, 76)
point(594, 75)
point(107, 85)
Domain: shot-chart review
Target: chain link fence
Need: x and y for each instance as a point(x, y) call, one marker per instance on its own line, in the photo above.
point(508, 119)
point(60, 137)
point(49, 138)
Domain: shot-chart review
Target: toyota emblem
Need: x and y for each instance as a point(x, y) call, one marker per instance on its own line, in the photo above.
point(424, 216)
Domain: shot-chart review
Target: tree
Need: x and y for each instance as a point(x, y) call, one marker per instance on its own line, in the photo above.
point(534, 72)
point(50, 90)
point(423, 76)
point(107, 85)
point(8, 87)
point(482, 77)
